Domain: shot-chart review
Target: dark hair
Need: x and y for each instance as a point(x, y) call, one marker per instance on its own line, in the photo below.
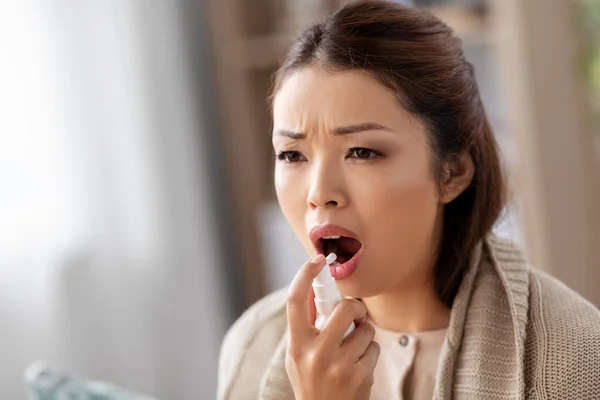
point(416, 56)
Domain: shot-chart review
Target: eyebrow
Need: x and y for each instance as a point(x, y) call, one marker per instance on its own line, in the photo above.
point(344, 130)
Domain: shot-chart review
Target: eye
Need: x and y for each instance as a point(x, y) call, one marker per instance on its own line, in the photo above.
point(363, 153)
point(290, 156)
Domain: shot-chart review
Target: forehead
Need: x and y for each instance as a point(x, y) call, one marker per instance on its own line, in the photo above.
point(314, 95)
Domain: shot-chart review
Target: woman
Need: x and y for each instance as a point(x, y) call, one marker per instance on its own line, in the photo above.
point(385, 157)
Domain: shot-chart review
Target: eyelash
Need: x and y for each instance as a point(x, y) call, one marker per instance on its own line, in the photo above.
point(282, 155)
point(373, 153)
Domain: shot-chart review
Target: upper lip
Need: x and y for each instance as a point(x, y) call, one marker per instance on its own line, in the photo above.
point(320, 231)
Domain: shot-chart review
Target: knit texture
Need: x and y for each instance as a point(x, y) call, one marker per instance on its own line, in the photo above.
point(514, 333)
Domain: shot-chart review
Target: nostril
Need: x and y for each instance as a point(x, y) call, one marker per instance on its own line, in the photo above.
point(318, 198)
point(331, 203)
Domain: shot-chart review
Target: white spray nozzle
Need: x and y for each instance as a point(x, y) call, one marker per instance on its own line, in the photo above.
point(331, 258)
point(324, 278)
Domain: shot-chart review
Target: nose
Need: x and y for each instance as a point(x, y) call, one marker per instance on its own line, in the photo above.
point(326, 189)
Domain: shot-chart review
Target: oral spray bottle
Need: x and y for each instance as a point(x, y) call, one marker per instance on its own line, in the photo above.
point(327, 295)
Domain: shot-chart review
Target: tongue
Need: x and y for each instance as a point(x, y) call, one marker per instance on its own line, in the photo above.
point(348, 245)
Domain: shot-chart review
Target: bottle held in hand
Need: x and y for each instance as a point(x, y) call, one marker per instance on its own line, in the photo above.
point(327, 295)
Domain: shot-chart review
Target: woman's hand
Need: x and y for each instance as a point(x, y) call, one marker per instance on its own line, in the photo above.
point(320, 364)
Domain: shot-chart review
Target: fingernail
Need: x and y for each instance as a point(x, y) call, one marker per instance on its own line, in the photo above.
point(318, 259)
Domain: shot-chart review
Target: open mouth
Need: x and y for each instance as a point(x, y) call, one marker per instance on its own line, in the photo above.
point(330, 238)
point(344, 247)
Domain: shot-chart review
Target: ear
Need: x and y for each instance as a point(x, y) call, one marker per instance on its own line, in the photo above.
point(458, 174)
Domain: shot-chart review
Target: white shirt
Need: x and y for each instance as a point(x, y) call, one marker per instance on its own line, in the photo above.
point(407, 365)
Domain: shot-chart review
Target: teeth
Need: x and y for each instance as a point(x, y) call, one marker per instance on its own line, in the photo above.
point(331, 237)
point(335, 263)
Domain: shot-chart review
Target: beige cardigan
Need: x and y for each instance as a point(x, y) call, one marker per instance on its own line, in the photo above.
point(514, 333)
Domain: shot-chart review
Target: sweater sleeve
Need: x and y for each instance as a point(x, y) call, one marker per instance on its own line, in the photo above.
point(248, 347)
point(570, 326)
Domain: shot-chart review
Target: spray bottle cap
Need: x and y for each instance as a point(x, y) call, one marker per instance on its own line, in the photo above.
point(331, 258)
point(324, 278)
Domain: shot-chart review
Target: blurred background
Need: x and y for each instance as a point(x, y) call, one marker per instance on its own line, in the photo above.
point(137, 213)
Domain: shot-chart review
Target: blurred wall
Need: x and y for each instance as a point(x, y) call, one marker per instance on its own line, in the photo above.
point(557, 175)
point(111, 262)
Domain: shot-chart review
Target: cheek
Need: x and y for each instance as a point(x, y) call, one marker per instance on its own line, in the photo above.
point(286, 197)
point(289, 187)
point(401, 205)
point(411, 194)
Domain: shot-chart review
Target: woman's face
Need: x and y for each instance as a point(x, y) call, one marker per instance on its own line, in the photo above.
point(348, 154)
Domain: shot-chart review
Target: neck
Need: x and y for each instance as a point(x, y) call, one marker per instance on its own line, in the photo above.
point(409, 309)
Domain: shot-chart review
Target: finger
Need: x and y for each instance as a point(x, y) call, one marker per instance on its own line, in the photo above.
point(370, 357)
point(312, 308)
point(297, 305)
point(357, 342)
point(342, 316)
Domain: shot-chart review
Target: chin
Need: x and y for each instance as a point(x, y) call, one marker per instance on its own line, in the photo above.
point(355, 287)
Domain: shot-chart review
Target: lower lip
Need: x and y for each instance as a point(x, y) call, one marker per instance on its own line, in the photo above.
point(343, 271)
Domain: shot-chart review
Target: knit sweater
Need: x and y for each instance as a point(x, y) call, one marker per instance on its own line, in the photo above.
point(515, 333)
